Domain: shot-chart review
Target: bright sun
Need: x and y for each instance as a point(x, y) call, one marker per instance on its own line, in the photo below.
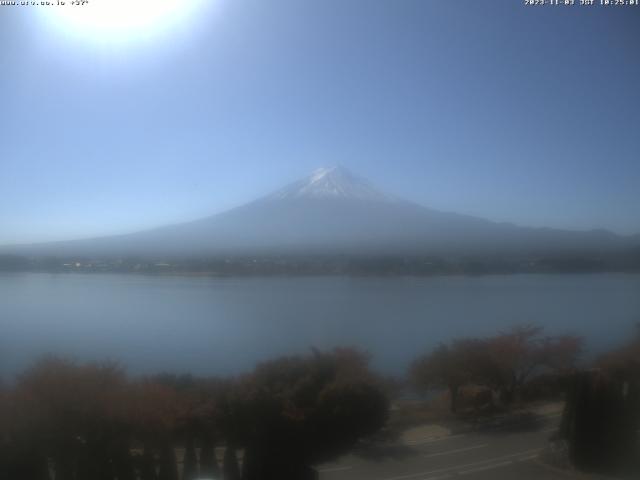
point(115, 21)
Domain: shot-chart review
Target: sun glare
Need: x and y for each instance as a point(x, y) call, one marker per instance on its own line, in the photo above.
point(116, 21)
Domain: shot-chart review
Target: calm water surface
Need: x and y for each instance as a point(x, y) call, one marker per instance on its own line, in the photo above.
point(220, 326)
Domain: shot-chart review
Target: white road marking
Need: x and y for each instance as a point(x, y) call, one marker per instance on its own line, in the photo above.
point(485, 467)
point(529, 457)
point(452, 452)
point(424, 440)
point(455, 468)
point(335, 469)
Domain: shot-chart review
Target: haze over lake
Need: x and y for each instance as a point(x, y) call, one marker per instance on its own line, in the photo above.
point(224, 325)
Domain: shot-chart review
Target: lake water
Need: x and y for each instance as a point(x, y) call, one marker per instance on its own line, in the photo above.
point(225, 325)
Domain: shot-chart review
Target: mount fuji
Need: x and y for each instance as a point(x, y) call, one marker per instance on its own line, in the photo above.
point(334, 212)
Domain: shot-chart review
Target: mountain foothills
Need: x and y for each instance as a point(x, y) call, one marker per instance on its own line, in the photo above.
point(334, 221)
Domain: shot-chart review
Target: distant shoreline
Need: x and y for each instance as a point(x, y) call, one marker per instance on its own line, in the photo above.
point(219, 275)
point(328, 265)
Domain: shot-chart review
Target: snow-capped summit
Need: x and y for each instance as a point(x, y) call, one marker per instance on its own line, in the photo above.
point(332, 182)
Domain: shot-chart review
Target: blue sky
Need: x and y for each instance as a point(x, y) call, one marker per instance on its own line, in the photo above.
point(512, 113)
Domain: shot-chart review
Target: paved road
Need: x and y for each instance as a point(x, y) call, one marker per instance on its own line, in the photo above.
point(494, 455)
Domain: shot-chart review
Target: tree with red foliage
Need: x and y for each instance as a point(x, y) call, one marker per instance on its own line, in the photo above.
point(522, 352)
point(504, 363)
point(450, 366)
point(76, 415)
point(303, 410)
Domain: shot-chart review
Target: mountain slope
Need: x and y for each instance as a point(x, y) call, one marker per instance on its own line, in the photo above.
point(335, 212)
